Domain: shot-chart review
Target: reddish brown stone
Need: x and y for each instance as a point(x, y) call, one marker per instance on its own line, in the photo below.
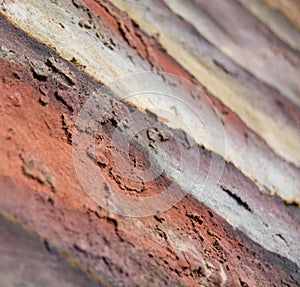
point(188, 245)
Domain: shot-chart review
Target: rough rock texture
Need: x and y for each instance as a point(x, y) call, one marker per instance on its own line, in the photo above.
point(234, 229)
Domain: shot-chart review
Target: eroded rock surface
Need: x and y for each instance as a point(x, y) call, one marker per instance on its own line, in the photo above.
point(232, 232)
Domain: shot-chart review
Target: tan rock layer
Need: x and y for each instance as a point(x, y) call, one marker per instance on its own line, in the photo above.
point(275, 21)
point(250, 58)
point(290, 8)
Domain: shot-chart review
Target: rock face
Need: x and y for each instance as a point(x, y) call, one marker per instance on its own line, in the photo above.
point(149, 143)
